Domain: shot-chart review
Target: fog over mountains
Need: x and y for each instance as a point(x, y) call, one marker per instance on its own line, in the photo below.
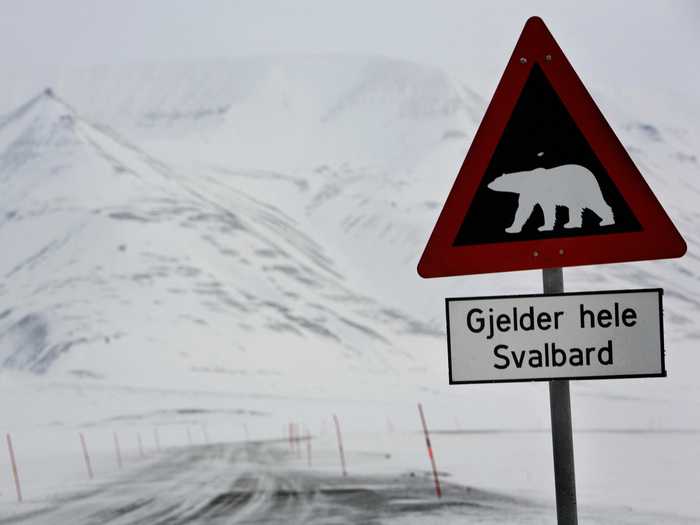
point(212, 248)
point(241, 217)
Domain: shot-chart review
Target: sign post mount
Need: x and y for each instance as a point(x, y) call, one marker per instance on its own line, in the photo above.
point(562, 429)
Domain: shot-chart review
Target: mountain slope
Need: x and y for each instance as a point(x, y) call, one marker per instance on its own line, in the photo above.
point(302, 193)
point(121, 267)
point(362, 151)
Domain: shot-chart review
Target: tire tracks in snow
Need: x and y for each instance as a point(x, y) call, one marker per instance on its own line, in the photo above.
point(256, 484)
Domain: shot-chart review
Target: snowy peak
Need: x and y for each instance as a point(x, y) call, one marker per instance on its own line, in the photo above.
point(45, 122)
point(50, 153)
point(115, 252)
point(406, 89)
point(290, 111)
point(290, 207)
point(47, 127)
point(315, 110)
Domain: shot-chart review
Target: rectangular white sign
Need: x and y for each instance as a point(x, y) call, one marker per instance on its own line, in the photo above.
point(588, 335)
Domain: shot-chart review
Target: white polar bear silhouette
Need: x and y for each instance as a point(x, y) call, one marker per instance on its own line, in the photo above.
point(570, 185)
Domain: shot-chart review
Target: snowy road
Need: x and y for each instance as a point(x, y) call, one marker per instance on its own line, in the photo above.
point(261, 483)
point(258, 484)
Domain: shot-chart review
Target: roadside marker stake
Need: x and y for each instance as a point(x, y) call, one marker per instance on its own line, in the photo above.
point(298, 439)
point(117, 451)
point(15, 473)
point(157, 438)
point(340, 444)
point(86, 455)
point(138, 437)
point(295, 439)
point(308, 446)
point(438, 491)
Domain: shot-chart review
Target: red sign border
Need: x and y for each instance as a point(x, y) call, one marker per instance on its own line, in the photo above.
point(658, 238)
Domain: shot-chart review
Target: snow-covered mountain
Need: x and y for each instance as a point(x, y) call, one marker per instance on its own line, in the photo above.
point(271, 203)
point(120, 267)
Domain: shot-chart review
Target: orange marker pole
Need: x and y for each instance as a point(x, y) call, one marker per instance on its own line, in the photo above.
point(86, 455)
point(117, 450)
point(295, 438)
point(308, 446)
point(15, 473)
point(438, 491)
point(298, 439)
point(340, 444)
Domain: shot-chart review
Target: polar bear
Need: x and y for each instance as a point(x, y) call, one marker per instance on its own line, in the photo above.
point(570, 185)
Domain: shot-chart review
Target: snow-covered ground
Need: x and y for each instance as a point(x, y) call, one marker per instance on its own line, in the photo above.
point(206, 250)
point(209, 466)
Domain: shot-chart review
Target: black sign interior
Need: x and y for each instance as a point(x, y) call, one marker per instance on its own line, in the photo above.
point(543, 181)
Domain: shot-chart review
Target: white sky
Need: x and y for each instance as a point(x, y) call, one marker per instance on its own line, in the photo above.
point(622, 43)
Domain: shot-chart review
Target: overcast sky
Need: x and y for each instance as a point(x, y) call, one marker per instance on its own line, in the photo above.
point(650, 43)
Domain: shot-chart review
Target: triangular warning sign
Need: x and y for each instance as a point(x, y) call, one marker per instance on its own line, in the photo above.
point(546, 183)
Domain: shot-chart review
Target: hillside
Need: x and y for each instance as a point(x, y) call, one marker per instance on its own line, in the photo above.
point(122, 268)
point(267, 198)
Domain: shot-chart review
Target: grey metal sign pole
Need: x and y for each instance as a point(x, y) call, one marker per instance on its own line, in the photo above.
point(562, 433)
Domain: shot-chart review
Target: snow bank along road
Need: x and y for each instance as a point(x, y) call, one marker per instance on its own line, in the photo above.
point(260, 483)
